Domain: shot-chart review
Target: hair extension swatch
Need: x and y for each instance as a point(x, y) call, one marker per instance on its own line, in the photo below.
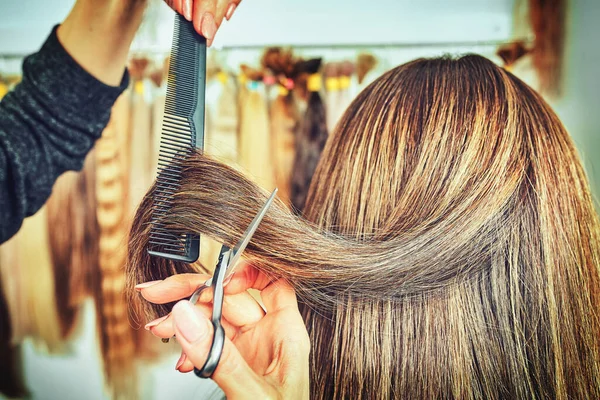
point(28, 280)
point(331, 74)
point(73, 247)
point(510, 53)
point(311, 136)
point(450, 247)
point(141, 137)
point(284, 117)
point(254, 153)
point(284, 124)
point(347, 69)
point(222, 142)
point(547, 19)
point(158, 109)
point(12, 384)
point(116, 334)
point(12, 280)
point(36, 285)
point(365, 63)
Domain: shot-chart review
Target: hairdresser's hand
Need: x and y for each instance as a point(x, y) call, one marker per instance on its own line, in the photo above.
point(265, 354)
point(207, 15)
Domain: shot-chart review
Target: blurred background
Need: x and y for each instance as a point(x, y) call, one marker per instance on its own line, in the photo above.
point(65, 327)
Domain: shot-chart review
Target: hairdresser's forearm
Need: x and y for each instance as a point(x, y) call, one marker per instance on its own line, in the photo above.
point(98, 34)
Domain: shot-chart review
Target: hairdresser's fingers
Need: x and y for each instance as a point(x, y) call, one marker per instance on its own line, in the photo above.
point(239, 311)
point(224, 10)
point(231, 7)
point(242, 310)
point(165, 320)
point(184, 364)
point(174, 288)
point(203, 16)
point(183, 7)
point(246, 277)
point(289, 368)
point(194, 332)
point(176, 5)
point(220, 11)
point(177, 287)
point(279, 295)
point(163, 327)
point(275, 295)
point(187, 9)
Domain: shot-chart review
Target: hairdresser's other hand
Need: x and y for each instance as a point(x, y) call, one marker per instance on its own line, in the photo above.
point(207, 15)
point(265, 355)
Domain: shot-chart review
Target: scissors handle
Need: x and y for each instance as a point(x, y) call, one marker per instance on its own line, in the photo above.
point(215, 353)
point(216, 348)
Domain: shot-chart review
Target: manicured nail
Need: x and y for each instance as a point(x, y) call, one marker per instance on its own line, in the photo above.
point(155, 322)
point(228, 279)
point(230, 9)
point(187, 9)
point(146, 285)
point(209, 26)
point(187, 322)
point(180, 362)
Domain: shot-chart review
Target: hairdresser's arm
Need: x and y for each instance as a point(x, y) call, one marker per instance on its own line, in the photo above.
point(266, 353)
point(51, 120)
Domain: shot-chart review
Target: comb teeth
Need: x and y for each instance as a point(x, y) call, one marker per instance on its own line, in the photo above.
point(182, 134)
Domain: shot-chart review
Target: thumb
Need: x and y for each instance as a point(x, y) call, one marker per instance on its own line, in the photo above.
point(194, 333)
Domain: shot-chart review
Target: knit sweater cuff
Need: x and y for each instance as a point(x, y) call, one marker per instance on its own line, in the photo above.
point(88, 98)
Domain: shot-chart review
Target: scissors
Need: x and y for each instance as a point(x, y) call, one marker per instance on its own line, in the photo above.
point(228, 257)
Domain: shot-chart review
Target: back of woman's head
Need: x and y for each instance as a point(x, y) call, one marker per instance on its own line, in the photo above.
point(452, 250)
point(441, 142)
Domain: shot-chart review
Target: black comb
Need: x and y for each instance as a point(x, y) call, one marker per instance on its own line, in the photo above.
point(182, 134)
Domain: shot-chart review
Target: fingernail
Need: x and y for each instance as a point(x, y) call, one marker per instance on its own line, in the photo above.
point(209, 42)
point(228, 279)
point(187, 9)
point(230, 9)
point(180, 362)
point(209, 26)
point(187, 322)
point(146, 285)
point(155, 322)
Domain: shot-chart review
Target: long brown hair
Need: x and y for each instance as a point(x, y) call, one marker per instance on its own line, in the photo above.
point(449, 247)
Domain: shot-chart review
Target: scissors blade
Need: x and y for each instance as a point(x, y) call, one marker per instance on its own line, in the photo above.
point(243, 242)
point(241, 245)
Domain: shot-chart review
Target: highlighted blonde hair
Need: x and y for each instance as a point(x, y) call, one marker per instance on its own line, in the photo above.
point(449, 247)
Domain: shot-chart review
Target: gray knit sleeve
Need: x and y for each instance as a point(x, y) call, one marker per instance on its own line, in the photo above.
point(48, 124)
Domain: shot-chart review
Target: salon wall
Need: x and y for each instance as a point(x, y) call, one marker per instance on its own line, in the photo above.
point(24, 25)
point(579, 107)
point(262, 22)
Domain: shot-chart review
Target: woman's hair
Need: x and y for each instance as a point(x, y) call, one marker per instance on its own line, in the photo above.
point(448, 249)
